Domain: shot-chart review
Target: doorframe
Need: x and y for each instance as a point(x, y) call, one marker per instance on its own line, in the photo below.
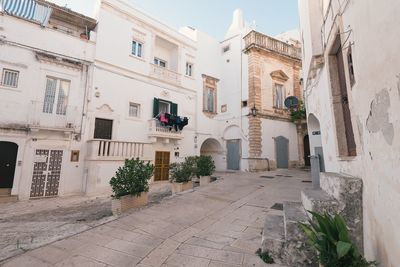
point(240, 153)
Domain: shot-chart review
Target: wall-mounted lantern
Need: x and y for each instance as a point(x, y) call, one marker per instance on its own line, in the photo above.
point(253, 111)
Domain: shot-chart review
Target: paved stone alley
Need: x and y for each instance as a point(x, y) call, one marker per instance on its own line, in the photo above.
point(216, 225)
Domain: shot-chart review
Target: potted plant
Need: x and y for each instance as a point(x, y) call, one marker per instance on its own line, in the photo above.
point(181, 177)
point(329, 236)
point(130, 185)
point(205, 167)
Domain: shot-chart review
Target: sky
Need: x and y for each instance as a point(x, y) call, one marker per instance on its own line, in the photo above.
point(211, 16)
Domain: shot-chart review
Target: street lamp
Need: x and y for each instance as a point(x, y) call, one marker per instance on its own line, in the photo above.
point(253, 111)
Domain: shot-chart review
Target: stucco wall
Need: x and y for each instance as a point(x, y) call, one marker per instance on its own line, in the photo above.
point(374, 103)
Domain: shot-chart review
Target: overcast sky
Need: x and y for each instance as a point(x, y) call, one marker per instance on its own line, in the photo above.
point(211, 16)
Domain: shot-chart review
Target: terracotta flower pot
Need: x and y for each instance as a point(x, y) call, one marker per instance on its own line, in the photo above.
point(180, 187)
point(204, 180)
point(126, 203)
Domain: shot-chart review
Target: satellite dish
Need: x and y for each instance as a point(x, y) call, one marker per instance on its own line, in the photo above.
point(291, 102)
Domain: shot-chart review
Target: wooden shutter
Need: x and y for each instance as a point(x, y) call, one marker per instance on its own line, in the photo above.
point(174, 109)
point(156, 107)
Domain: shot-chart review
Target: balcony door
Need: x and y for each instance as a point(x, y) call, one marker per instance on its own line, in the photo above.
point(161, 167)
point(103, 129)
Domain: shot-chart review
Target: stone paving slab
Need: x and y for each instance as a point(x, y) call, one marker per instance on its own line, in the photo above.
point(216, 225)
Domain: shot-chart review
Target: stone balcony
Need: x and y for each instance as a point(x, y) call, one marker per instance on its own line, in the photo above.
point(258, 40)
point(164, 74)
point(156, 130)
point(68, 119)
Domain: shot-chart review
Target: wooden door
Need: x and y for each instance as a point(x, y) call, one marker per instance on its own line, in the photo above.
point(161, 166)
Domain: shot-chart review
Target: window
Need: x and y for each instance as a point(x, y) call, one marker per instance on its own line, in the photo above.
point(244, 103)
point(189, 69)
point(103, 129)
point(137, 49)
point(210, 100)
point(160, 62)
point(134, 110)
point(56, 96)
point(279, 96)
point(164, 106)
point(10, 78)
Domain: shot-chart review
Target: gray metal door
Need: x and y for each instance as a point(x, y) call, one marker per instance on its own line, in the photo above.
point(233, 147)
point(282, 152)
point(320, 153)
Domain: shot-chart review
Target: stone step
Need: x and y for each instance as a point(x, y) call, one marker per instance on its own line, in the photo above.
point(8, 199)
point(319, 201)
point(339, 186)
point(273, 236)
point(296, 252)
point(5, 191)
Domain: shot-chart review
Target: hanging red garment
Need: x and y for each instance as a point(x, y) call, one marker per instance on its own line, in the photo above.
point(163, 119)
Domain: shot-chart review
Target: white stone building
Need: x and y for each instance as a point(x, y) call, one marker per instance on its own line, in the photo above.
point(122, 73)
point(352, 89)
point(45, 71)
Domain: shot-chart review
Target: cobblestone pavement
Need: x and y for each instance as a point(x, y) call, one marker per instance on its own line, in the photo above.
point(216, 225)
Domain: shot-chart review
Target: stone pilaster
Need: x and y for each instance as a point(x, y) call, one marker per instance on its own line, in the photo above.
point(255, 131)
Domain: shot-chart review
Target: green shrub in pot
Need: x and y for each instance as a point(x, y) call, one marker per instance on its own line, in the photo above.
point(205, 166)
point(132, 178)
point(180, 172)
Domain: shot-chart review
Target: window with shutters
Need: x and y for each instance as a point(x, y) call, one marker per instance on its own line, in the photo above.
point(209, 95)
point(160, 62)
point(56, 96)
point(279, 96)
point(210, 100)
point(164, 106)
point(9, 78)
point(189, 69)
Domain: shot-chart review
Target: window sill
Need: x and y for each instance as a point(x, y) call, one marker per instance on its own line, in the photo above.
point(138, 58)
point(189, 77)
point(137, 119)
point(10, 88)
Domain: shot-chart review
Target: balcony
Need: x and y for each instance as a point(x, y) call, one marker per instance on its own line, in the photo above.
point(261, 41)
point(157, 130)
point(39, 120)
point(165, 74)
point(99, 149)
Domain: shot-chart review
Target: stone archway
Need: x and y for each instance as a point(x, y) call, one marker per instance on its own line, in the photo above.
point(213, 148)
point(314, 131)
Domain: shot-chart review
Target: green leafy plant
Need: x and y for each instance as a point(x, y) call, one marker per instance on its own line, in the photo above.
point(180, 172)
point(329, 236)
point(132, 178)
point(265, 256)
point(205, 166)
point(299, 113)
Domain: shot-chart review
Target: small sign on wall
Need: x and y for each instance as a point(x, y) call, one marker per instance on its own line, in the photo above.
point(74, 155)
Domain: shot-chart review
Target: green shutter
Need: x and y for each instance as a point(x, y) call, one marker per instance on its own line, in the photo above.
point(156, 107)
point(174, 109)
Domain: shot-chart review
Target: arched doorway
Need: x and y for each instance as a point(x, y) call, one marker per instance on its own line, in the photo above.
point(8, 159)
point(306, 145)
point(314, 131)
point(282, 152)
point(213, 148)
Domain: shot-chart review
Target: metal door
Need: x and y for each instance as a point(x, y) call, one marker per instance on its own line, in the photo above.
point(8, 158)
point(161, 166)
point(46, 173)
point(282, 152)
point(233, 154)
point(318, 151)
